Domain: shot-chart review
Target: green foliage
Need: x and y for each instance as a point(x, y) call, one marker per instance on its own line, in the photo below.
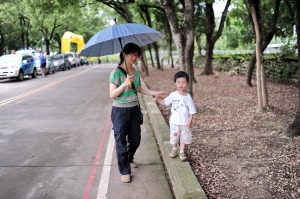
point(240, 18)
point(279, 68)
point(50, 19)
point(232, 36)
point(289, 46)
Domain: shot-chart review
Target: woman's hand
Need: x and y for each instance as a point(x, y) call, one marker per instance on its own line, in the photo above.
point(162, 94)
point(129, 80)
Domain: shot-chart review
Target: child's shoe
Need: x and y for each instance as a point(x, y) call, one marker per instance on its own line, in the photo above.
point(173, 153)
point(182, 156)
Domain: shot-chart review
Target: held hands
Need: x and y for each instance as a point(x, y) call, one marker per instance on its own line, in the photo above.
point(161, 94)
point(158, 100)
point(158, 95)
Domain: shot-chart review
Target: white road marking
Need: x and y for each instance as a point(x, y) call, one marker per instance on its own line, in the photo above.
point(104, 180)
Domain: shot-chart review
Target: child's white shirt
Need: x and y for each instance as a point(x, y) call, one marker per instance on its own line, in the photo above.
point(182, 107)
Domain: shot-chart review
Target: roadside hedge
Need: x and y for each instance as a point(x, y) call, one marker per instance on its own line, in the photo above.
point(277, 67)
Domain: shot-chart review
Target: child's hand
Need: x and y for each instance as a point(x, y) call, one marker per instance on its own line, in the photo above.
point(158, 100)
point(154, 99)
point(189, 124)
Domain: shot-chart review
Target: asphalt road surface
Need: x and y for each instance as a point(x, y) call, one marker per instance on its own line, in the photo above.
point(53, 131)
point(56, 141)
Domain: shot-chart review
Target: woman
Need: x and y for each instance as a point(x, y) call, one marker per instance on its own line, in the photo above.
point(125, 113)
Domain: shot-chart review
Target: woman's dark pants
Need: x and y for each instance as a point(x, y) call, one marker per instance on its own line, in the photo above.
point(127, 132)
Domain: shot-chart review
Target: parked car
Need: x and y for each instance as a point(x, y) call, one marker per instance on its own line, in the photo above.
point(49, 65)
point(73, 58)
point(61, 62)
point(17, 66)
point(37, 64)
point(50, 68)
point(32, 52)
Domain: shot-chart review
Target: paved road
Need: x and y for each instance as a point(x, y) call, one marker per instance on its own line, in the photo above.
point(54, 135)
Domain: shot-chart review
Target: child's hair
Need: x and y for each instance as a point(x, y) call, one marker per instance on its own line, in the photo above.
point(181, 74)
point(127, 49)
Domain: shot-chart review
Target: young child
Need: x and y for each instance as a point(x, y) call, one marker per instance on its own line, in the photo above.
point(183, 109)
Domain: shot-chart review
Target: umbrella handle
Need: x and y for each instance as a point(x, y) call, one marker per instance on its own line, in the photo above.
point(130, 84)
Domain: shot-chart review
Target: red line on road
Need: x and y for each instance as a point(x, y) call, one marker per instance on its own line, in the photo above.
point(90, 182)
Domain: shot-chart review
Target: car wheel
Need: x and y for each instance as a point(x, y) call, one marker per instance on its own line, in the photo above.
point(34, 74)
point(20, 76)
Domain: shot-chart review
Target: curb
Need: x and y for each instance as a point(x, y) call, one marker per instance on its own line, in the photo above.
point(183, 180)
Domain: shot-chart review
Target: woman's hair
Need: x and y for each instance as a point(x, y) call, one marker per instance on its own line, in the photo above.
point(127, 49)
point(181, 74)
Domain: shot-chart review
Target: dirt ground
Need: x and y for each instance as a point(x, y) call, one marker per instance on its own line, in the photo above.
point(236, 152)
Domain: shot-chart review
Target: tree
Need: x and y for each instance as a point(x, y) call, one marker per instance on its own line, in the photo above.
point(162, 24)
point(260, 76)
point(210, 37)
point(183, 34)
point(13, 26)
point(144, 10)
point(199, 27)
point(294, 128)
point(122, 8)
point(48, 16)
point(269, 23)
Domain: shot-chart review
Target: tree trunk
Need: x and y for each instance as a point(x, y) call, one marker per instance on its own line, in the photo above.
point(251, 67)
point(210, 38)
point(144, 64)
point(294, 128)
point(254, 8)
point(56, 38)
point(210, 26)
point(183, 35)
point(23, 38)
point(252, 61)
point(157, 56)
point(1, 43)
point(169, 40)
point(170, 57)
point(208, 69)
point(266, 39)
point(27, 36)
point(198, 41)
point(47, 42)
point(264, 85)
point(298, 44)
point(151, 57)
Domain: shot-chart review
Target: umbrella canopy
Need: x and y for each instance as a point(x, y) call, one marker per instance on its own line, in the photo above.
point(109, 40)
